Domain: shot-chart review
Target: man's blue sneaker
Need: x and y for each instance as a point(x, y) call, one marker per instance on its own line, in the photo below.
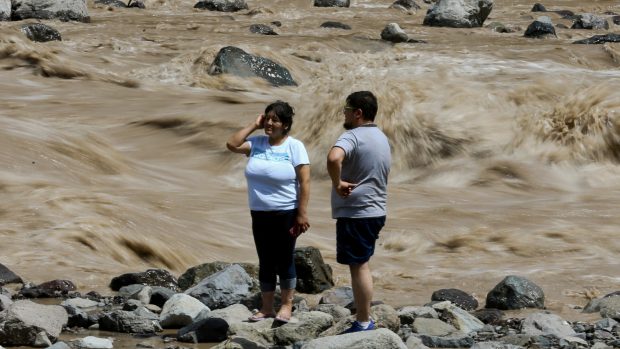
point(356, 327)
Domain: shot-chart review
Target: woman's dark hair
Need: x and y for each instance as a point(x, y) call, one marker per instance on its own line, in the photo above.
point(284, 112)
point(365, 101)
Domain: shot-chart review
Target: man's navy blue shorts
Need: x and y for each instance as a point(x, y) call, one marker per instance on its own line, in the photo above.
point(355, 239)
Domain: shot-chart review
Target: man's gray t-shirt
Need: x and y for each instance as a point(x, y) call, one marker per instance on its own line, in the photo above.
point(367, 164)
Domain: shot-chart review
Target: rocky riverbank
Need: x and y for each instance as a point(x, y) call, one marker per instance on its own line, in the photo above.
point(210, 303)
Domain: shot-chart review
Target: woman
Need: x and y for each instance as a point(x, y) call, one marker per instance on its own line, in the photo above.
point(278, 176)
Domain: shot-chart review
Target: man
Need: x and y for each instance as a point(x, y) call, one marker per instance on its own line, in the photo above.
point(359, 164)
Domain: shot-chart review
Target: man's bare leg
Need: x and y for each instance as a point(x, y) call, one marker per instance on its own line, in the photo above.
point(361, 282)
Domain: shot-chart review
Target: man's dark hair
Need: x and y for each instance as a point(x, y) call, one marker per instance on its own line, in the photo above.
point(284, 112)
point(365, 101)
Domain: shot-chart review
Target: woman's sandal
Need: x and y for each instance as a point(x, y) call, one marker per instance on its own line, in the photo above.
point(260, 317)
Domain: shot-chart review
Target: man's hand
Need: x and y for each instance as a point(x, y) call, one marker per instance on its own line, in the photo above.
point(301, 225)
point(344, 189)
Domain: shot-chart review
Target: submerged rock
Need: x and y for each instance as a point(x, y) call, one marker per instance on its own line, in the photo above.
point(540, 28)
point(590, 21)
point(332, 3)
point(112, 3)
point(262, 29)
point(222, 5)
point(458, 13)
point(407, 4)
point(599, 39)
point(393, 33)
point(233, 60)
point(335, 25)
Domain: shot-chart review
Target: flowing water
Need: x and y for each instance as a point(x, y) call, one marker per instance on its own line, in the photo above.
point(506, 150)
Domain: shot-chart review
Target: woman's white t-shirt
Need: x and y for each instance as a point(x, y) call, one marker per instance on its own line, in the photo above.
point(270, 172)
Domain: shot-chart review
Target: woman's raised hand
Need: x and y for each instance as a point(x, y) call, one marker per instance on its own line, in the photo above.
point(260, 121)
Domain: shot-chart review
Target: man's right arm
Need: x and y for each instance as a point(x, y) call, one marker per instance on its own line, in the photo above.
point(334, 168)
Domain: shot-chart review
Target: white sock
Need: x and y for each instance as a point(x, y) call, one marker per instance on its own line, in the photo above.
point(364, 324)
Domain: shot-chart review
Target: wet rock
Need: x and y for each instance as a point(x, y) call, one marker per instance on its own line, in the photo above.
point(457, 297)
point(180, 310)
point(64, 10)
point(138, 321)
point(136, 4)
point(160, 295)
point(335, 25)
point(49, 289)
point(539, 8)
point(332, 3)
point(262, 29)
point(515, 292)
point(6, 275)
point(5, 15)
point(92, 342)
point(546, 324)
point(222, 5)
point(380, 338)
point(111, 3)
point(224, 288)
point(599, 39)
point(339, 295)
point(31, 324)
point(489, 316)
point(458, 13)
point(194, 275)
point(313, 275)
point(407, 4)
point(616, 20)
point(204, 331)
point(233, 60)
point(307, 327)
point(540, 28)
point(151, 277)
point(393, 33)
point(590, 21)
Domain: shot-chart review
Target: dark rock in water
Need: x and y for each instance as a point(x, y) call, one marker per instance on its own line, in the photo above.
point(50, 289)
point(459, 298)
point(151, 277)
point(502, 28)
point(112, 3)
point(40, 32)
point(194, 275)
point(233, 60)
point(565, 14)
point(277, 23)
point(561, 26)
point(393, 33)
point(590, 21)
point(336, 25)
point(136, 4)
point(332, 3)
point(408, 4)
point(222, 5)
point(539, 8)
point(540, 28)
point(8, 277)
point(458, 13)
point(616, 20)
point(489, 316)
point(160, 295)
point(64, 10)
point(515, 292)
point(313, 275)
point(600, 39)
point(204, 331)
point(262, 29)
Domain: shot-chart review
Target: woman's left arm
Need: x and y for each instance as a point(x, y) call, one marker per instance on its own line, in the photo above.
point(303, 177)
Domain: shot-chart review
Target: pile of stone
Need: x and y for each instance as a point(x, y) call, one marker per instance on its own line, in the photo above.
point(211, 303)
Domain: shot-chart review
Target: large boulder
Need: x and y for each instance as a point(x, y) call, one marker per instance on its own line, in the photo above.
point(313, 275)
point(180, 310)
point(5, 15)
point(31, 324)
point(226, 287)
point(151, 277)
point(233, 60)
point(381, 338)
point(222, 5)
point(458, 13)
point(599, 39)
point(65, 10)
point(590, 21)
point(40, 32)
point(540, 28)
point(515, 292)
point(138, 321)
point(332, 3)
point(192, 276)
point(6, 275)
